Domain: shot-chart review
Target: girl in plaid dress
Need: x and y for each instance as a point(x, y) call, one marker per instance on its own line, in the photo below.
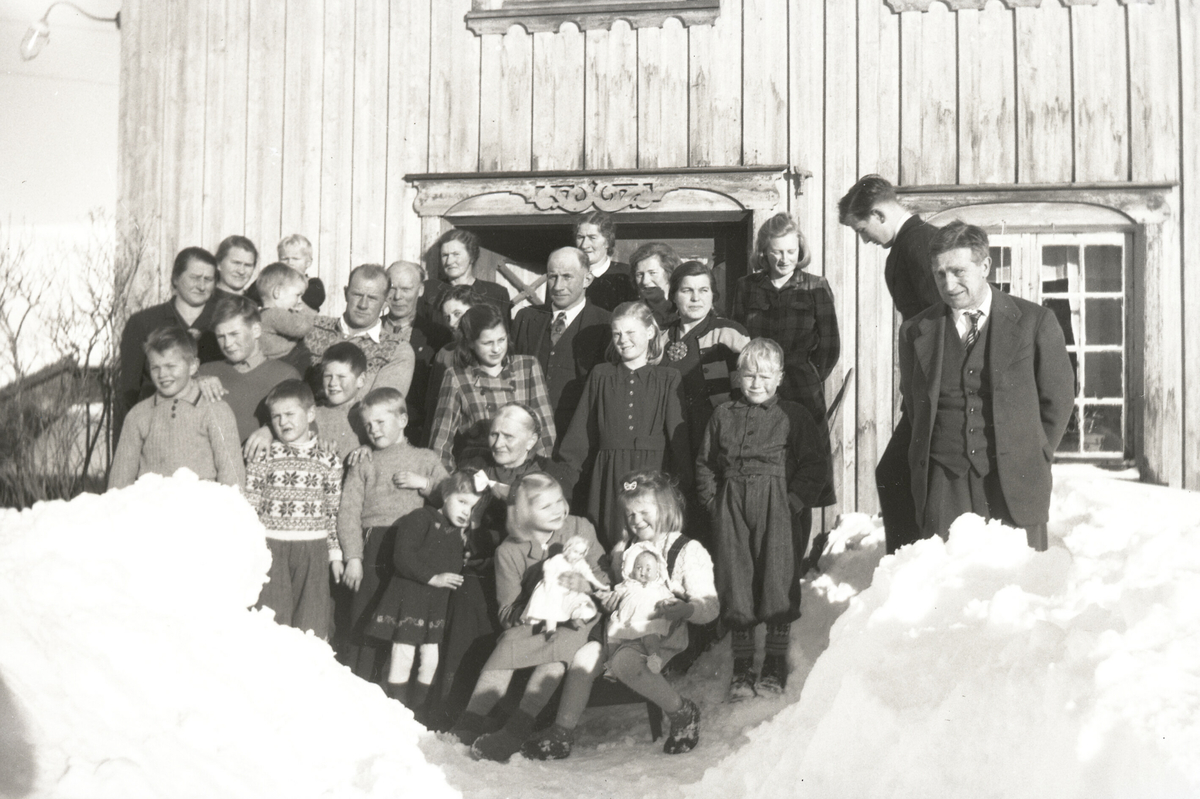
point(484, 378)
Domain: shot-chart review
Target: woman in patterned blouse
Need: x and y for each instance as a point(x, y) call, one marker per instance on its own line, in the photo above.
point(794, 309)
point(484, 378)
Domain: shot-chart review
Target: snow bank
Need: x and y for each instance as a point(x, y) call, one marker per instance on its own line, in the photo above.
point(136, 669)
point(980, 668)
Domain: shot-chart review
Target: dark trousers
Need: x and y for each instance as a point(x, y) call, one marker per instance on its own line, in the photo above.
point(893, 481)
point(952, 495)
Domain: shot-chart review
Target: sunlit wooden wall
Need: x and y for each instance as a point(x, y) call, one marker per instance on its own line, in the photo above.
point(266, 118)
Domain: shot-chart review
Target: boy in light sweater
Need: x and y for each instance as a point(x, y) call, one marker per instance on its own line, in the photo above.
point(296, 489)
point(177, 427)
point(394, 479)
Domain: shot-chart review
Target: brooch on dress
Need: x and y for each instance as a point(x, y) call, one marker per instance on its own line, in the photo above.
point(676, 351)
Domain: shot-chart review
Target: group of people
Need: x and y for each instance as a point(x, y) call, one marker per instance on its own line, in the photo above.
point(602, 485)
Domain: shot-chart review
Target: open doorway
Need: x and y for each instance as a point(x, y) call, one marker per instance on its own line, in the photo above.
point(515, 248)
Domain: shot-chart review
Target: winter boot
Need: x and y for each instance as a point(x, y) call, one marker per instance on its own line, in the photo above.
point(685, 729)
point(741, 687)
point(506, 741)
point(552, 743)
point(773, 679)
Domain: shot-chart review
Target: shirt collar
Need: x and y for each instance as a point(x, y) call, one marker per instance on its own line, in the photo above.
point(371, 332)
point(190, 395)
point(572, 312)
point(960, 316)
point(602, 267)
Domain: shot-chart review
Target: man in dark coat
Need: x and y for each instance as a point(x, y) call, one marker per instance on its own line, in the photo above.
point(568, 335)
point(872, 210)
point(989, 388)
point(408, 321)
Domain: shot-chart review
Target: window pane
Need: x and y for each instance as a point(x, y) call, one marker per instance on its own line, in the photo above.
point(1066, 320)
point(1104, 321)
point(1001, 274)
point(1102, 374)
point(1102, 430)
point(1070, 439)
point(1060, 268)
point(1103, 267)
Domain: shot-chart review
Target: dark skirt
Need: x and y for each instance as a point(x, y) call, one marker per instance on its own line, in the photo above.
point(471, 632)
point(377, 573)
point(410, 613)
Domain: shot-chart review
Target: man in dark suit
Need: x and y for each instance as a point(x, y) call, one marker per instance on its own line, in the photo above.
point(568, 335)
point(425, 335)
point(872, 210)
point(989, 388)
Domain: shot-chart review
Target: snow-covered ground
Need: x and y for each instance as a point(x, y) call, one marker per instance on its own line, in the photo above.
point(974, 668)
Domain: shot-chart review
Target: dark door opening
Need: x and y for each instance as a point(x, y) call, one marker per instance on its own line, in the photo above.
point(523, 243)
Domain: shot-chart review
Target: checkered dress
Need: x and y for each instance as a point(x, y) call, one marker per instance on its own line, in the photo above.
point(470, 397)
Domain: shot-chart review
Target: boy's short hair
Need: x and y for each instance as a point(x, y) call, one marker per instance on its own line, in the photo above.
point(868, 192)
point(292, 389)
point(293, 240)
point(386, 397)
point(235, 307)
point(347, 353)
point(761, 352)
point(171, 337)
point(277, 276)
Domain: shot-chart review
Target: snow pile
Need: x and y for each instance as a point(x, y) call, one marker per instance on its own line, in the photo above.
point(136, 669)
point(980, 668)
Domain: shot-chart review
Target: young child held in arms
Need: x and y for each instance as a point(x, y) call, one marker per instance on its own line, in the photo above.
point(428, 563)
point(295, 489)
point(761, 466)
point(343, 375)
point(635, 621)
point(176, 427)
point(286, 320)
point(551, 602)
point(395, 480)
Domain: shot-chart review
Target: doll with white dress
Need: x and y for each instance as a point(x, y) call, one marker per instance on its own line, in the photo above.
point(634, 621)
point(552, 603)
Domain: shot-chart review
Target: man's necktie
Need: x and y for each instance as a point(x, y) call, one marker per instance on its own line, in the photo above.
point(973, 333)
point(559, 327)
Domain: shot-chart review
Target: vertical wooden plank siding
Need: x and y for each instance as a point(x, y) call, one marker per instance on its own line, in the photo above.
point(558, 92)
point(337, 142)
point(1101, 82)
point(264, 126)
point(369, 158)
point(878, 133)
point(490, 103)
point(663, 96)
point(408, 125)
point(183, 134)
point(764, 80)
point(610, 98)
point(840, 262)
point(715, 98)
point(1044, 104)
point(144, 202)
point(1189, 214)
point(928, 97)
point(304, 51)
point(806, 119)
point(453, 90)
point(224, 198)
point(1153, 76)
point(986, 96)
point(516, 100)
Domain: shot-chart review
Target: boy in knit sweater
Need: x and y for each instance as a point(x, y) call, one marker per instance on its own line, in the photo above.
point(295, 489)
point(343, 375)
point(177, 427)
point(390, 482)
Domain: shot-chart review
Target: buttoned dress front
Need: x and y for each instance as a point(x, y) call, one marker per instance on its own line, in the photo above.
point(628, 420)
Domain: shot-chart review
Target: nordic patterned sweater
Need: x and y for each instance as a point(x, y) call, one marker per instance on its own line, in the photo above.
point(296, 490)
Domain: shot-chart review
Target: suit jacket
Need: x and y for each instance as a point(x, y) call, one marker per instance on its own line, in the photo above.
point(1033, 393)
point(909, 272)
point(587, 337)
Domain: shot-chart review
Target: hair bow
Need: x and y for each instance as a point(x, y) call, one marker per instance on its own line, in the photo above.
point(631, 485)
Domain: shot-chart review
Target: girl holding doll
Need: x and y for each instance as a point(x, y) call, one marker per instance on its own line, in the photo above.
point(538, 529)
point(630, 418)
point(651, 507)
point(430, 551)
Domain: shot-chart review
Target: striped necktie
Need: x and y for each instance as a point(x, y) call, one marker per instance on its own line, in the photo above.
point(559, 327)
point(973, 333)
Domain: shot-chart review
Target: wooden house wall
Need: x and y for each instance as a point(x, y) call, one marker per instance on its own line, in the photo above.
point(269, 118)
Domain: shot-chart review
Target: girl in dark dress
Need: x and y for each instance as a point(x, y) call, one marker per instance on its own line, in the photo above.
point(428, 558)
point(630, 418)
